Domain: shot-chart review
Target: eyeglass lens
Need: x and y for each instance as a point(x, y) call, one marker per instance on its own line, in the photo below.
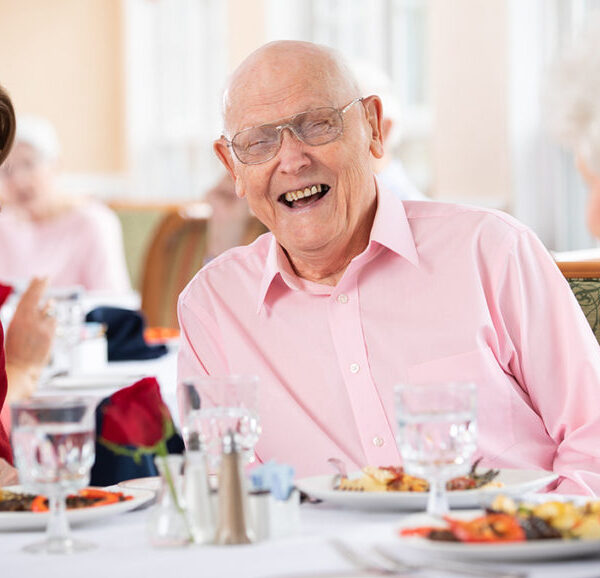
point(314, 127)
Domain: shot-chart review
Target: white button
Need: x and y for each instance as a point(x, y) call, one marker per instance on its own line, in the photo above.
point(342, 298)
point(377, 441)
point(354, 368)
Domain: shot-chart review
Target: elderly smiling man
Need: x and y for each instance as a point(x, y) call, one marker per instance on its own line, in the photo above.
point(355, 291)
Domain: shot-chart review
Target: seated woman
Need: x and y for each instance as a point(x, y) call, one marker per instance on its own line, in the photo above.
point(574, 111)
point(46, 233)
point(29, 336)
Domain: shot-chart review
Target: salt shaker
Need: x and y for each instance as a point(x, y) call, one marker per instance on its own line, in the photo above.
point(197, 493)
point(233, 527)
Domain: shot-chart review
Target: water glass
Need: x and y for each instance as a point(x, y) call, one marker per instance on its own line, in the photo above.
point(437, 434)
point(53, 443)
point(67, 308)
point(214, 405)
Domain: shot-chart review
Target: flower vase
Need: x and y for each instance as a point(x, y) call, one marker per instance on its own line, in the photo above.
point(168, 526)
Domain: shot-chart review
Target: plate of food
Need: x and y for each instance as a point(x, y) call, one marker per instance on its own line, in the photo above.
point(390, 488)
point(535, 529)
point(25, 511)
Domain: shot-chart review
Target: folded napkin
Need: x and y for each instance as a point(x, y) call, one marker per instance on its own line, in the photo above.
point(132, 426)
point(125, 334)
point(5, 291)
point(275, 478)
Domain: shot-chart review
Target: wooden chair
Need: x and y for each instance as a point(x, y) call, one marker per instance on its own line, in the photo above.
point(176, 253)
point(584, 279)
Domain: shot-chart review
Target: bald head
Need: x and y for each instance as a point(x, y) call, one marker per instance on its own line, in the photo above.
point(286, 69)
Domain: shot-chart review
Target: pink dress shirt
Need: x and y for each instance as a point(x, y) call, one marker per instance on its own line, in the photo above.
point(442, 292)
point(81, 247)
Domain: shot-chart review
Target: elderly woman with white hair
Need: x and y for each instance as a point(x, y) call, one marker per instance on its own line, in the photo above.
point(574, 112)
point(47, 233)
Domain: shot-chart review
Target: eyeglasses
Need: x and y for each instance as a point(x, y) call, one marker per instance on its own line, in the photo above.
point(319, 126)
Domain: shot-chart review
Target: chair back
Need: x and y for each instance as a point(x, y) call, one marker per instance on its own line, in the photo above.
point(175, 254)
point(584, 279)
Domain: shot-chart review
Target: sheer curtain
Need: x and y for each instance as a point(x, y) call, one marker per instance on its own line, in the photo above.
point(176, 62)
point(549, 194)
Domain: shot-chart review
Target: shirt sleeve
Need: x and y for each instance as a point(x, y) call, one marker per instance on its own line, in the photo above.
point(554, 355)
point(200, 350)
point(106, 268)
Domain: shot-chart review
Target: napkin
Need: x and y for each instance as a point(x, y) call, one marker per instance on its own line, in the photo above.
point(276, 478)
point(133, 425)
point(125, 334)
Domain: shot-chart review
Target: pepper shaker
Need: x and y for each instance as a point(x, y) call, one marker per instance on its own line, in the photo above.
point(233, 526)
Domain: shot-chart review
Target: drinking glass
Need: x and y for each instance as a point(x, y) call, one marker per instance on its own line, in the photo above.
point(214, 405)
point(53, 443)
point(67, 308)
point(437, 434)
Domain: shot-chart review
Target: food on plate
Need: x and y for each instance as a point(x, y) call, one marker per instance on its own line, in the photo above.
point(86, 498)
point(394, 479)
point(509, 521)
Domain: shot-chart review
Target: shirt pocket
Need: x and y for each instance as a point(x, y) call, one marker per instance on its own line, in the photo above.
point(494, 391)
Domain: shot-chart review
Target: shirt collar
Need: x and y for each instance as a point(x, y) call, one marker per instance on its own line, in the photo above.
point(391, 229)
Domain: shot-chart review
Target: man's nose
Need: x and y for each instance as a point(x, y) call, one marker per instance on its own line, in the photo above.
point(292, 154)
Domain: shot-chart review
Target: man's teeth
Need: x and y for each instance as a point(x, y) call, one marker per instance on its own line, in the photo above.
point(302, 193)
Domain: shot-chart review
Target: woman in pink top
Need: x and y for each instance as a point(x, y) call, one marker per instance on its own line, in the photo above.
point(44, 232)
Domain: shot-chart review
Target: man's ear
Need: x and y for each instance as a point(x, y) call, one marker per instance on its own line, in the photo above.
point(374, 112)
point(223, 153)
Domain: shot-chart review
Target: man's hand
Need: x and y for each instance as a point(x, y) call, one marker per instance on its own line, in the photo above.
point(28, 341)
point(8, 474)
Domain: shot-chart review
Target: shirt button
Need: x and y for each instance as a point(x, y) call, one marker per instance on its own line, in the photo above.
point(342, 298)
point(354, 367)
point(377, 441)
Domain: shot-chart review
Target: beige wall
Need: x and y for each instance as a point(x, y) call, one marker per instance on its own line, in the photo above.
point(246, 23)
point(63, 59)
point(469, 79)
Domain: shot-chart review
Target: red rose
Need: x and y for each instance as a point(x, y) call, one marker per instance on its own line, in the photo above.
point(137, 415)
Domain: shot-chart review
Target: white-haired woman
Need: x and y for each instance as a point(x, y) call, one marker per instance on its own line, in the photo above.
point(574, 111)
point(44, 232)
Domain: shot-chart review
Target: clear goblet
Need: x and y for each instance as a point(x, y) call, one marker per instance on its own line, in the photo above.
point(53, 442)
point(437, 434)
point(214, 405)
point(67, 308)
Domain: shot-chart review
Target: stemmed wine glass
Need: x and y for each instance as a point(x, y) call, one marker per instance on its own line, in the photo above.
point(437, 434)
point(53, 443)
point(212, 406)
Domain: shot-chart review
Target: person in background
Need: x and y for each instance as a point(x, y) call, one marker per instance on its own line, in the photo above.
point(573, 110)
point(47, 233)
point(230, 221)
point(389, 169)
point(355, 291)
point(30, 333)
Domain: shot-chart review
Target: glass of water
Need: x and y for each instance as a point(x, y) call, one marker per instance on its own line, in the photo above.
point(437, 434)
point(67, 308)
point(53, 444)
point(214, 405)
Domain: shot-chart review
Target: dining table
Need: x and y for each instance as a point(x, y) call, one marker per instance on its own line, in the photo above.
point(122, 546)
point(123, 549)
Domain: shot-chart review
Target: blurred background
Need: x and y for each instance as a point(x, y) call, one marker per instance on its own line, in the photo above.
point(133, 88)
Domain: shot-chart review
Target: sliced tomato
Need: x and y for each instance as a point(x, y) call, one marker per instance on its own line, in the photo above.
point(102, 496)
point(39, 504)
point(489, 528)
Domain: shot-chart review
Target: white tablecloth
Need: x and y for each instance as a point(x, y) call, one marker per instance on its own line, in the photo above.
point(124, 551)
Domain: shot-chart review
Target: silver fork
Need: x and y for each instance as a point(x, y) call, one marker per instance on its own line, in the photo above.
point(395, 566)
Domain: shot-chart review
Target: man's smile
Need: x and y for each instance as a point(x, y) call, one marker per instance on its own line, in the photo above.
point(305, 196)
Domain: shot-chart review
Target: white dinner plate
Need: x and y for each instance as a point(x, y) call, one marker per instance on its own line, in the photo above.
point(39, 520)
point(93, 381)
point(514, 483)
point(151, 483)
point(513, 551)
